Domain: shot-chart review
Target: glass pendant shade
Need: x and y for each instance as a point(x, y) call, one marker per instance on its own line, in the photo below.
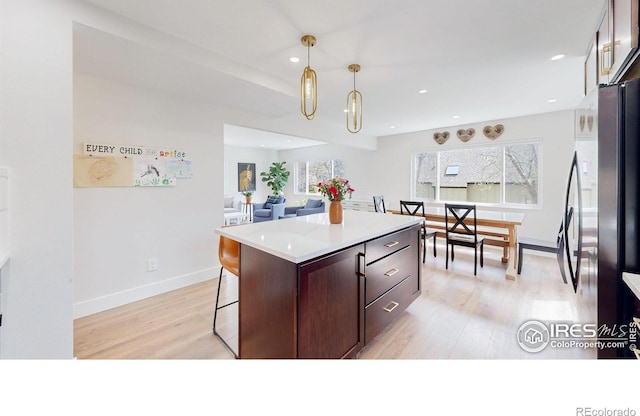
point(308, 83)
point(354, 104)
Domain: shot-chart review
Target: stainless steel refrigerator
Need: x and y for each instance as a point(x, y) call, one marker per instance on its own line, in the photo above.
point(618, 206)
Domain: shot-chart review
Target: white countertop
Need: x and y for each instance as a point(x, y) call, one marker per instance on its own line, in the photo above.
point(633, 281)
point(299, 239)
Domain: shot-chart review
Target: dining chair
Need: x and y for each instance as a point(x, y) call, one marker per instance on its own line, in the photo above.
point(461, 233)
point(556, 247)
point(416, 208)
point(229, 257)
point(378, 203)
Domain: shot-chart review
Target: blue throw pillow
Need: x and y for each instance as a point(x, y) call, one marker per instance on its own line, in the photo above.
point(313, 203)
point(271, 199)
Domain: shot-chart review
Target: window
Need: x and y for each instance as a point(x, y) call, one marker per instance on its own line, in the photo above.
point(309, 173)
point(499, 174)
point(452, 170)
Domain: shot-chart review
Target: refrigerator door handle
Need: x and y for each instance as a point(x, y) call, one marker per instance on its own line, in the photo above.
point(568, 217)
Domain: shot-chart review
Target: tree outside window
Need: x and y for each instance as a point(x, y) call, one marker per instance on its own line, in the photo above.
point(501, 174)
point(309, 173)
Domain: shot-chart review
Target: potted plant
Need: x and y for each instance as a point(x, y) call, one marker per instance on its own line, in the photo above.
point(277, 177)
point(247, 195)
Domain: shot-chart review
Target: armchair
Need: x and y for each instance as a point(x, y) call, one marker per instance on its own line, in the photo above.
point(313, 206)
point(231, 205)
point(272, 209)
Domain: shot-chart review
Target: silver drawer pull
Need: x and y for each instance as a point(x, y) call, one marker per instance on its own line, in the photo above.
point(391, 272)
point(391, 244)
point(391, 306)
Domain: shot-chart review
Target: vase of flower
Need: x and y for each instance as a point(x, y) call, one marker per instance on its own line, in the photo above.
point(335, 189)
point(335, 212)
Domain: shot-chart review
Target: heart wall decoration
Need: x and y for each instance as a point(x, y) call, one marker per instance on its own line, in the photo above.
point(441, 137)
point(466, 134)
point(493, 132)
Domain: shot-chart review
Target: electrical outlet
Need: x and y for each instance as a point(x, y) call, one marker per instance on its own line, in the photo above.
point(152, 265)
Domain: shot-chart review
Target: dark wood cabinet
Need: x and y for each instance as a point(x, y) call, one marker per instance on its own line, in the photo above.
point(617, 44)
point(392, 278)
point(605, 49)
point(625, 35)
point(330, 306)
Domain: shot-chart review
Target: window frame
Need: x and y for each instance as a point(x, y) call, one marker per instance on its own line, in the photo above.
point(306, 162)
point(501, 145)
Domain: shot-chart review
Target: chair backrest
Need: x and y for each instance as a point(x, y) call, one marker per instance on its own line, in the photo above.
point(378, 203)
point(560, 239)
point(412, 207)
point(274, 199)
point(228, 252)
point(457, 218)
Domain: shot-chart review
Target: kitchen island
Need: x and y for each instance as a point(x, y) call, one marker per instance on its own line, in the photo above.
point(311, 289)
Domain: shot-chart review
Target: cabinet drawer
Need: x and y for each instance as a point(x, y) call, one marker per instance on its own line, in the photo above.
point(390, 243)
point(391, 270)
point(387, 308)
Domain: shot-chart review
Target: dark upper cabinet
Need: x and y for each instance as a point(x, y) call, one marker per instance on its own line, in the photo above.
point(605, 51)
point(625, 35)
point(617, 42)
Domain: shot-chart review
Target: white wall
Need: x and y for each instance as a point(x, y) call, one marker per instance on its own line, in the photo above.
point(35, 143)
point(116, 230)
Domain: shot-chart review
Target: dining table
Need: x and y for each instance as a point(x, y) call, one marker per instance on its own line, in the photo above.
point(500, 228)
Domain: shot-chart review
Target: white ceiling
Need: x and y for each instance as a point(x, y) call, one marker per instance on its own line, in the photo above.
point(479, 59)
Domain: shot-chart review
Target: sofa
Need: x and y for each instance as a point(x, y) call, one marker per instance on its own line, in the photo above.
point(312, 206)
point(271, 209)
point(231, 205)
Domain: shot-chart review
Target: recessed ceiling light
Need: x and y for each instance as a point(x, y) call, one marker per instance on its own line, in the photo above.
point(294, 59)
point(553, 100)
point(456, 116)
point(392, 127)
point(345, 110)
point(422, 92)
point(556, 57)
point(261, 145)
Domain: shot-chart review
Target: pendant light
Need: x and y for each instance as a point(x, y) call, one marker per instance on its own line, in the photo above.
point(354, 104)
point(308, 83)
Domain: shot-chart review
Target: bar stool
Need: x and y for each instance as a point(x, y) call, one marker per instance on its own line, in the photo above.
point(229, 256)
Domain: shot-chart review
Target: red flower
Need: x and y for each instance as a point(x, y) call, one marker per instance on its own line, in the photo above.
point(336, 189)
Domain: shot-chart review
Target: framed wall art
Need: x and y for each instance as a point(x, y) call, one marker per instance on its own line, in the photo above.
point(246, 177)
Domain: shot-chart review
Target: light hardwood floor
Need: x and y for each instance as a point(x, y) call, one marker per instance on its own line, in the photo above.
point(458, 316)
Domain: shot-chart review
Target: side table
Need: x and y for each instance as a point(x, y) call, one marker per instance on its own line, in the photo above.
point(247, 208)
